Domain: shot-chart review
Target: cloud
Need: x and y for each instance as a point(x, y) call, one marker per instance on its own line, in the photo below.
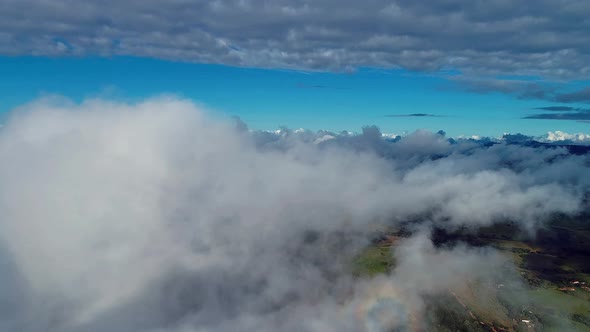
point(319, 86)
point(417, 115)
point(154, 217)
point(494, 38)
point(558, 108)
point(580, 116)
point(560, 136)
point(580, 96)
point(523, 89)
point(518, 88)
point(307, 86)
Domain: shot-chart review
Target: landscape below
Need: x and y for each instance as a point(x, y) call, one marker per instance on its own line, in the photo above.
point(553, 261)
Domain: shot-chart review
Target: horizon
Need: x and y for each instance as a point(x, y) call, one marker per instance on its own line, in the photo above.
point(267, 99)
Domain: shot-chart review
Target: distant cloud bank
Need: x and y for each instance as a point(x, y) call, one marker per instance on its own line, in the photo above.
point(558, 137)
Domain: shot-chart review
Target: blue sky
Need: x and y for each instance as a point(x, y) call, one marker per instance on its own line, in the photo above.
point(269, 98)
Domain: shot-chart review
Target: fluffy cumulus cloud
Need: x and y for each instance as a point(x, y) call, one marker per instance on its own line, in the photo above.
point(547, 38)
point(560, 136)
point(154, 217)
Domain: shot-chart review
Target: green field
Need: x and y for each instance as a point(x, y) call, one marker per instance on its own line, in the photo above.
point(372, 261)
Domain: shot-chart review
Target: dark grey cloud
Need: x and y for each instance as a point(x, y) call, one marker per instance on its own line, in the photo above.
point(580, 96)
point(522, 89)
point(518, 88)
point(580, 116)
point(161, 230)
point(548, 39)
point(417, 115)
point(560, 96)
point(558, 108)
point(517, 138)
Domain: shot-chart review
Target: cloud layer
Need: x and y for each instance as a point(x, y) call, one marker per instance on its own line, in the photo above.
point(562, 113)
point(548, 39)
point(154, 217)
point(524, 89)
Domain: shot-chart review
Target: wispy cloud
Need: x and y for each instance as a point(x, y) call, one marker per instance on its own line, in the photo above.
point(319, 86)
point(414, 115)
point(311, 86)
point(580, 116)
point(525, 89)
point(561, 108)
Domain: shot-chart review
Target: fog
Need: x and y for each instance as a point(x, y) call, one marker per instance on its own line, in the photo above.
point(156, 216)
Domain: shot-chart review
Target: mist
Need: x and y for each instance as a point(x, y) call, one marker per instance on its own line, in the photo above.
point(156, 216)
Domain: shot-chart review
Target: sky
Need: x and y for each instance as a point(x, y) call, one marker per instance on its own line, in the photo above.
point(461, 66)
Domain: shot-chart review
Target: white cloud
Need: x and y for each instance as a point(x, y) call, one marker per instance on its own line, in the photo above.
point(323, 139)
point(560, 136)
point(152, 216)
